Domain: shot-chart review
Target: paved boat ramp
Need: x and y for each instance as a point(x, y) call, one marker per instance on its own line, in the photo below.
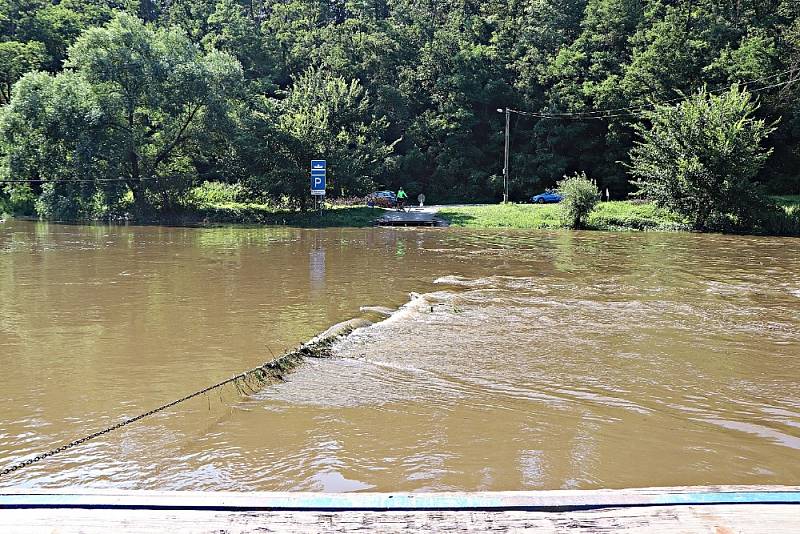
point(410, 217)
point(718, 510)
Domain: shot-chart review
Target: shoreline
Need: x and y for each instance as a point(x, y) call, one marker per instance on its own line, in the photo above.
point(609, 216)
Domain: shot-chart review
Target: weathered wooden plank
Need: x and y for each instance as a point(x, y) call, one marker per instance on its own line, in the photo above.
point(717, 519)
point(508, 500)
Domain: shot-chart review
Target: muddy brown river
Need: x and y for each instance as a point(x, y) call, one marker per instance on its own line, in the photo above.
point(529, 360)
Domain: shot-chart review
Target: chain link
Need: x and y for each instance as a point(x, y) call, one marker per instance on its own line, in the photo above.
point(272, 369)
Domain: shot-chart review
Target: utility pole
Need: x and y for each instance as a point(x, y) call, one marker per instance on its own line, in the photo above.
point(505, 160)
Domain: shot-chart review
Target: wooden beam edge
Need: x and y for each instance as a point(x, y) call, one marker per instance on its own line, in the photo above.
point(545, 500)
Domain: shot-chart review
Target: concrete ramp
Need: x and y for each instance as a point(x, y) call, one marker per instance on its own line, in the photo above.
point(413, 217)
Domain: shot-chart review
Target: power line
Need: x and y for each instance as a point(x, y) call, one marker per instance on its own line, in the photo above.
point(636, 111)
point(720, 89)
point(80, 180)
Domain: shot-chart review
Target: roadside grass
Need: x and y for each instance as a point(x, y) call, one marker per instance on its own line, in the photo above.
point(615, 215)
point(531, 216)
point(215, 205)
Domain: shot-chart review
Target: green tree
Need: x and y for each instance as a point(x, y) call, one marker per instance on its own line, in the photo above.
point(432, 72)
point(162, 94)
point(49, 135)
point(231, 30)
point(328, 116)
point(151, 95)
point(16, 59)
point(699, 158)
point(55, 24)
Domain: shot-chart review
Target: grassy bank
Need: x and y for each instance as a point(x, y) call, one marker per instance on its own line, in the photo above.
point(615, 216)
point(235, 213)
point(241, 213)
point(622, 215)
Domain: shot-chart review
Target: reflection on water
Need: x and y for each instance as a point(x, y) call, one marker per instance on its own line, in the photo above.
point(530, 360)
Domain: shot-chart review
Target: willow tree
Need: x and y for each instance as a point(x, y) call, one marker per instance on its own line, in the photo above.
point(149, 96)
point(49, 139)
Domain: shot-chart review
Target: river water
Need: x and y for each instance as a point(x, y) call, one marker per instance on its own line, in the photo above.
point(528, 360)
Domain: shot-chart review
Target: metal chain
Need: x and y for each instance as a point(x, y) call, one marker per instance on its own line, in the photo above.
point(303, 351)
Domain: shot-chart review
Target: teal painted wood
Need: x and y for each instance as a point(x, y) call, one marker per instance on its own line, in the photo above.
point(534, 500)
point(749, 497)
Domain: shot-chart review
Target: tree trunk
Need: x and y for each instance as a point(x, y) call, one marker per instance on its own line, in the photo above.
point(701, 219)
point(135, 183)
point(135, 173)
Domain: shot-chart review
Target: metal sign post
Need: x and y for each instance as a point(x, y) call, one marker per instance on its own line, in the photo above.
point(319, 173)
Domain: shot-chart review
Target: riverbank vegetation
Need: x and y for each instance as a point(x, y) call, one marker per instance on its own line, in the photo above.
point(699, 158)
point(121, 110)
point(579, 197)
point(246, 213)
point(614, 215)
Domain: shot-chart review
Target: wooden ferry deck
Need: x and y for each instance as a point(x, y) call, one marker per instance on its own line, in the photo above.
point(718, 510)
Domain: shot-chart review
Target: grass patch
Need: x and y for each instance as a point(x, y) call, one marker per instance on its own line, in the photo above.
point(630, 215)
point(623, 215)
point(614, 216)
point(504, 216)
point(785, 220)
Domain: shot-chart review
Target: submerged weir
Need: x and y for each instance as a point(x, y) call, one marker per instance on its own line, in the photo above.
point(245, 383)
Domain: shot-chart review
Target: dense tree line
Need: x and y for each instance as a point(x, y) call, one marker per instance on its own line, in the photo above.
point(138, 100)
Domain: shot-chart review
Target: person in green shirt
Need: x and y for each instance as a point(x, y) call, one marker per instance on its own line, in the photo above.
point(401, 199)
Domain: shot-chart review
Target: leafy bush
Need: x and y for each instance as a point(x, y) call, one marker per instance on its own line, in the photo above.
point(699, 159)
point(71, 201)
point(215, 193)
point(580, 197)
point(17, 200)
point(780, 220)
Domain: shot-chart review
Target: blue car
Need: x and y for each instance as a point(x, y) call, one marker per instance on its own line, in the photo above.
point(546, 198)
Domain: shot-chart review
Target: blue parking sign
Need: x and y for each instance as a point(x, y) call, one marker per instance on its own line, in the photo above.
point(319, 169)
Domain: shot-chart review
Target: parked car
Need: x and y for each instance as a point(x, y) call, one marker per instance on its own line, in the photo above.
point(382, 199)
point(547, 197)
